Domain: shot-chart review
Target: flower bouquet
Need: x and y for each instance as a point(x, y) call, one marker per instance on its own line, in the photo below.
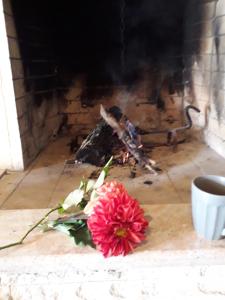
point(99, 214)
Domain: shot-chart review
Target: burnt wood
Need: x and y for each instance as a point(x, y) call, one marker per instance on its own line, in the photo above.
point(131, 146)
point(97, 148)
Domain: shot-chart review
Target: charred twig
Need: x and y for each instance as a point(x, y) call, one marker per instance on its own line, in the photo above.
point(131, 146)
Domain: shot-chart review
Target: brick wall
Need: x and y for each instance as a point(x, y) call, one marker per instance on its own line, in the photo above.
point(36, 123)
point(134, 103)
point(205, 69)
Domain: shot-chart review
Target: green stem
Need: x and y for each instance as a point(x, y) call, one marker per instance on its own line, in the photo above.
point(30, 230)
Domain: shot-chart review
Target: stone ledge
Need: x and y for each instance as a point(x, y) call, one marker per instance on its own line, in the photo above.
point(172, 263)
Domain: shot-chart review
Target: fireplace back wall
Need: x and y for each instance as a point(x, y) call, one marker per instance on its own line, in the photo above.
point(125, 53)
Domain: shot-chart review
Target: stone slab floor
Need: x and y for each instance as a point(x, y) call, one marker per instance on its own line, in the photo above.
point(47, 181)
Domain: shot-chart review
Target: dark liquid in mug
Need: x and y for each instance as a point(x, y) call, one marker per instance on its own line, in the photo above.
point(210, 186)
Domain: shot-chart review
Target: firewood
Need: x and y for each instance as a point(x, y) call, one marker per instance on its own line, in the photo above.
point(131, 146)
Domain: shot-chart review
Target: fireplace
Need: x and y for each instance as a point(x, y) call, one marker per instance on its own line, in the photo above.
point(150, 58)
point(58, 64)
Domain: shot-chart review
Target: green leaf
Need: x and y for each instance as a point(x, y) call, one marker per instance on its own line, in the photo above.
point(73, 227)
point(103, 174)
point(64, 228)
point(108, 164)
point(73, 219)
point(82, 235)
point(73, 199)
point(61, 210)
point(82, 204)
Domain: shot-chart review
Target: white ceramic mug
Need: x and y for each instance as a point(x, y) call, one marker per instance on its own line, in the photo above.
point(208, 206)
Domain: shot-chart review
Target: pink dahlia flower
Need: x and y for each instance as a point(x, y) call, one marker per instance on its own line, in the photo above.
point(104, 192)
point(117, 224)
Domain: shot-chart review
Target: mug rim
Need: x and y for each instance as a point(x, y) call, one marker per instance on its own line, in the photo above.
point(205, 177)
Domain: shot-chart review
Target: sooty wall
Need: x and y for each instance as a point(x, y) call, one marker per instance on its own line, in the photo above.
point(108, 42)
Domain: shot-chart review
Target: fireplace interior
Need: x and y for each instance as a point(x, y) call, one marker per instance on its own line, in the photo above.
point(150, 59)
point(74, 57)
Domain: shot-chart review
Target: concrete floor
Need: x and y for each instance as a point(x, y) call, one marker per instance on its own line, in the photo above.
point(46, 182)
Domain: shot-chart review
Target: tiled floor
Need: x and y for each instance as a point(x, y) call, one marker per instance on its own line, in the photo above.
point(47, 181)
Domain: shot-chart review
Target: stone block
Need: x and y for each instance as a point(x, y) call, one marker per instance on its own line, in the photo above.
point(39, 113)
point(221, 26)
point(215, 142)
point(7, 6)
point(201, 76)
point(17, 69)
point(75, 107)
point(19, 88)
point(199, 119)
point(23, 124)
point(21, 106)
point(205, 28)
point(202, 105)
point(41, 134)
point(220, 8)
point(81, 129)
point(214, 126)
point(53, 106)
point(205, 63)
point(75, 91)
point(14, 49)
point(201, 92)
point(30, 148)
point(10, 26)
point(221, 48)
point(209, 9)
point(81, 119)
point(218, 63)
point(218, 81)
point(218, 99)
point(207, 45)
point(52, 124)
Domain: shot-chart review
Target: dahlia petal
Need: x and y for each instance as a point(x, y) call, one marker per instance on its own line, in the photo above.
point(135, 237)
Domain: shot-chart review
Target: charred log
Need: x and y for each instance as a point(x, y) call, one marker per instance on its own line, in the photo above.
point(96, 149)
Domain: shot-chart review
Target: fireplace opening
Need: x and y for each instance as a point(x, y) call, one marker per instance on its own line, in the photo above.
point(140, 56)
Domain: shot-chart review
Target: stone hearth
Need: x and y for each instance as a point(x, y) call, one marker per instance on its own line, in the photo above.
point(173, 262)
